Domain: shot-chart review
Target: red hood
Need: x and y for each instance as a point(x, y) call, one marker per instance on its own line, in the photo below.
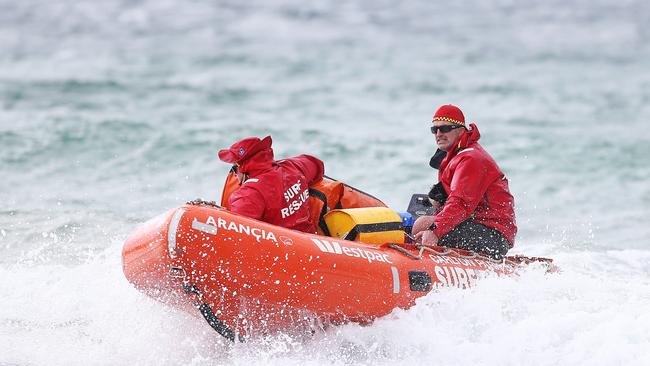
point(471, 136)
point(258, 163)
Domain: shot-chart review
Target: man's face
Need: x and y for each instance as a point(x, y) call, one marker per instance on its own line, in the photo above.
point(445, 140)
point(241, 176)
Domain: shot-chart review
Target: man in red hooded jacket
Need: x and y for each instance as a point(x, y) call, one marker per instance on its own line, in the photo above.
point(276, 192)
point(478, 213)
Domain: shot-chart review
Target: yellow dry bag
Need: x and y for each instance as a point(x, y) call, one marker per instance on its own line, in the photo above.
point(371, 225)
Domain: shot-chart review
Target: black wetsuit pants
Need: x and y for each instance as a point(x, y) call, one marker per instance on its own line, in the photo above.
point(470, 235)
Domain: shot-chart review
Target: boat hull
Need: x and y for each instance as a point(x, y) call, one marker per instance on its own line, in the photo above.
point(257, 279)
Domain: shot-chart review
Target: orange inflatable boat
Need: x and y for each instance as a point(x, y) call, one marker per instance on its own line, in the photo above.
point(250, 278)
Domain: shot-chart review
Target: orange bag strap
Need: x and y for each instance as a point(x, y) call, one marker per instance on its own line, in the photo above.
point(324, 195)
point(231, 185)
point(321, 208)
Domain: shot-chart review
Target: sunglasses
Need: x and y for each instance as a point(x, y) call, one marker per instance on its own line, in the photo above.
point(235, 170)
point(444, 129)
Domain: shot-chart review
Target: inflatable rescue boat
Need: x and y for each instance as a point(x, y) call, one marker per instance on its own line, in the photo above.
point(249, 278)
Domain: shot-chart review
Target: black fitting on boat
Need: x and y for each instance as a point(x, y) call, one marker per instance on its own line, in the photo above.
point(210, 316)
point(217, 324)
point(420, 281)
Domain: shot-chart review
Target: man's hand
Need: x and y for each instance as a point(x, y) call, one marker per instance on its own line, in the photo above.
point(426, 238)
point(422, 223)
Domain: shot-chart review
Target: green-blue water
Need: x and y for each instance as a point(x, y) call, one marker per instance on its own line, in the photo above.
point(112, 111)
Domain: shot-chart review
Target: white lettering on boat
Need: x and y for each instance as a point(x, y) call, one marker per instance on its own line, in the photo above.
point(255, 232)
point(455, 276)
point(334, 247)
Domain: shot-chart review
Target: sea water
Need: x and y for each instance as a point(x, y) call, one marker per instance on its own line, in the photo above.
point(112, 111)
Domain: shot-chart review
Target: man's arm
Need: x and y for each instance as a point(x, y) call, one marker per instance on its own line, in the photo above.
point(248, 202)
point(469, 183)
point(311, 167)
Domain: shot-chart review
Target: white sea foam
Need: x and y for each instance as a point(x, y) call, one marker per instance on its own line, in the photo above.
point(585, 315)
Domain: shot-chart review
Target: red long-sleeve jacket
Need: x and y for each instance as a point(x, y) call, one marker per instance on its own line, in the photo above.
point(277, 192)
point(477, 189)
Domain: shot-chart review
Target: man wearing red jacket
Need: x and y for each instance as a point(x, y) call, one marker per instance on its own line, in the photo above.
point(478, 213)
point(276, 192)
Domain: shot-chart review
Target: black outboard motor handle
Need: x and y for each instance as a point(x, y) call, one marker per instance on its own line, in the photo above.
point(420, 206)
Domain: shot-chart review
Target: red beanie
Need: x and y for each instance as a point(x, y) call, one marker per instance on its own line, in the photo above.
point(450, 113)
